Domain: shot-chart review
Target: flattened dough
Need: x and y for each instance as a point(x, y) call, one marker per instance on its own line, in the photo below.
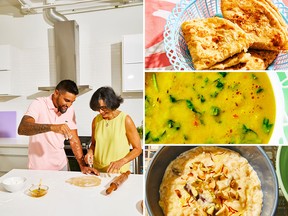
point(85, 181)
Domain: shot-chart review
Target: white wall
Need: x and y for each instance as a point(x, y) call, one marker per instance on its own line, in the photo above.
point(98, 31)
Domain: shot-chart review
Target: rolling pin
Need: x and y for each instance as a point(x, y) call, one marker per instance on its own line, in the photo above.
point(117, 182)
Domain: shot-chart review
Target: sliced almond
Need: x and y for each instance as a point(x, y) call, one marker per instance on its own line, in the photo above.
point(234, 194)
point(223, 211)
point(233, 184)
point(225, 170)
point(201, 175)
point(210, 210)
point(211, 183)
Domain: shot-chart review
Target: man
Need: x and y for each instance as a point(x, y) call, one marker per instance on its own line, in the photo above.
point(49, 121)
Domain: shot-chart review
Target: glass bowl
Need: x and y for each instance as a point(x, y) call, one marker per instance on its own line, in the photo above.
point(38, 191)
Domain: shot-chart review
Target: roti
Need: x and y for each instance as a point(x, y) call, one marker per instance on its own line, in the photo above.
point(232, 61)
point(261, 20)
point(210, 181)
point(85, 181)
point(212, 40)
point(259, 60)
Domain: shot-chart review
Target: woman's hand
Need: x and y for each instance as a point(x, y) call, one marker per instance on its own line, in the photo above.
point(115, 166)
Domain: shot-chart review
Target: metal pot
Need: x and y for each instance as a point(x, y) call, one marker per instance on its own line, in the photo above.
point(254, 154)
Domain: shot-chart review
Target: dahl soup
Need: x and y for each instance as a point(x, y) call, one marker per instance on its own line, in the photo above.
point(208, 107)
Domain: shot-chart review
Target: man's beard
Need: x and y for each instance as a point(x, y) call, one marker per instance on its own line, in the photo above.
point(62, 110)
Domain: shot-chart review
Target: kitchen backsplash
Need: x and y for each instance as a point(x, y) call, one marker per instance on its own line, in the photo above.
point(8, 124)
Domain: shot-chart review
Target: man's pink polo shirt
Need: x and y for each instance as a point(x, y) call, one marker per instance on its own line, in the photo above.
point(46, 150)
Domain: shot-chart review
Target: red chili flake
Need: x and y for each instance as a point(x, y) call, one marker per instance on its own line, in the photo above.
point(231, 130)
point(235, 116)
point(195, 123)
point(178, 193)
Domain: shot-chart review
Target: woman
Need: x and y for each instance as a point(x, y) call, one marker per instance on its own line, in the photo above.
point(112, 133)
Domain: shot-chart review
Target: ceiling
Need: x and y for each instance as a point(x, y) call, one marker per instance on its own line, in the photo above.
point(19, 8)
point(10, 7)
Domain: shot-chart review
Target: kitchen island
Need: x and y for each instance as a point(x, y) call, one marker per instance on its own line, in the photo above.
point(13, 154)
point(66, 199)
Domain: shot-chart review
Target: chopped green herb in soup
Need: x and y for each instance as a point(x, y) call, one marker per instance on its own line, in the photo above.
point(208, 107)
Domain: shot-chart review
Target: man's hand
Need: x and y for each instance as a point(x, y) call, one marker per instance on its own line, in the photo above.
point(28, 127)
point(62, 129)
point(89, 170)
point(89, 158)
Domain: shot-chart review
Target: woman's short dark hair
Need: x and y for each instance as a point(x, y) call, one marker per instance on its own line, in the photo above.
point(108, 95)
point(68, 86)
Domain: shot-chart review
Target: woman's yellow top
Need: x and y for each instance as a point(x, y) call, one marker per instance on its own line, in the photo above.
point(111, 143)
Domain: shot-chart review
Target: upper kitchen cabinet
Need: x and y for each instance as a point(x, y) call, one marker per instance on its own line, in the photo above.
point(6, 52)
point(132, 63)
point(5, 58)
point(5, 69)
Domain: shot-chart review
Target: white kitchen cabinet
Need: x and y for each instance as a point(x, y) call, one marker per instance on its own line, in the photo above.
point(132, 77)
point(7, 53)
point(5, 67)
point(13, 156)
point(5, 82)
point(132, 63)
point(5, 57)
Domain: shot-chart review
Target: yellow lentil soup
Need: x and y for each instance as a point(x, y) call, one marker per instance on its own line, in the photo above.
point(208, 107)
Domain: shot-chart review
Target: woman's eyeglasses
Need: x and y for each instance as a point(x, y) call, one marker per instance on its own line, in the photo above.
point(103, 108)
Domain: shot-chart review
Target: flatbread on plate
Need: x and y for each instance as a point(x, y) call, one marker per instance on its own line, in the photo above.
point(259, 60)
point(212, 40)
point(234, 60)
point(260, 20)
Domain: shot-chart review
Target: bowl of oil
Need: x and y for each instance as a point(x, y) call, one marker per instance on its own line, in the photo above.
point(38, 190)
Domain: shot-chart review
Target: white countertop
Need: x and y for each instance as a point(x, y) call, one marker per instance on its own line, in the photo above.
point(66, 199)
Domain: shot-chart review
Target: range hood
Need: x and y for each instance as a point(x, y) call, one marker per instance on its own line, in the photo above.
point(65, 55)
